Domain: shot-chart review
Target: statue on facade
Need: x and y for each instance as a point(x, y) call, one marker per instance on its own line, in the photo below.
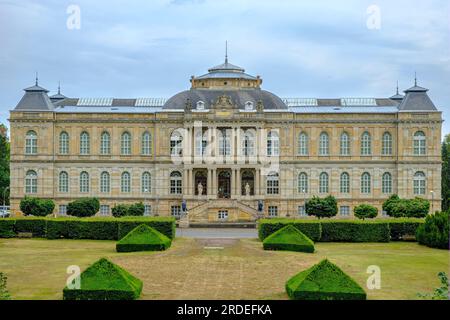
point(200, 189)
point(247, 189)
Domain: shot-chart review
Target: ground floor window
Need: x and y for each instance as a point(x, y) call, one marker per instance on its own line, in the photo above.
point(384, 213)
point(62, 210)
point(345, 211)
point(302, 211)
point(273, 211)
point(223, 215)
point(104, 210)
point(175, 211)
point(147, 210)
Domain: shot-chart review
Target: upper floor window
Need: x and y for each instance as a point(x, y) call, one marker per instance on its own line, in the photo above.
point(176, 183)
point(200, 105)
point(146, 147)
point(146, 182)
point(386, 183)
point(84, 182)
point(302, 183)
point(224, 142)
point(345, 144)
point(201, 142)
point(249, 106)
point(63, 182)
point(323, 183)
point(31, 142)
point(386, 149)
point(125, 143)
point(366, 144)
point(324, 144)
point(420, 143)
point(176, 147)
point(84, 143)
point(64, 143)
point(366, 183)
point(273, 183)
point(31, 182)
point(105, 182)
point(273, 144)
point(105, 143)
point(125, 182)
point(419, 183)
point(248, 143)
point(345, 183)
point(303, 144)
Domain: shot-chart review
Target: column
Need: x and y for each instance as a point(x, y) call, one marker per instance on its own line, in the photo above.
point(214, 182)
point(191, 182)
point(185, 182)
point(238, 183)
point(257, 178)
point(209, 184)
point(233, 182)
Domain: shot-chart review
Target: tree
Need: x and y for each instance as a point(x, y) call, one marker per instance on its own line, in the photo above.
point(84, 207)
point(121, 210)
point(321, 208)
point(434, 232)
point(446, 173)
point(411, 208)
point(36, 207)
point(365, 211)
point(4, 163)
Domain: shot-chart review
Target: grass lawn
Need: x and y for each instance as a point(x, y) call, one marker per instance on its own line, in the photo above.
point(36, 268)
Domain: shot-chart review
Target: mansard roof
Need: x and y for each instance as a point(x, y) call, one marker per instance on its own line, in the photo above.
point(35, 99)
point(417, 99)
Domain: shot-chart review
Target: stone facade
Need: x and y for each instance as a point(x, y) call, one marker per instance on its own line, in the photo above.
point(227, 163)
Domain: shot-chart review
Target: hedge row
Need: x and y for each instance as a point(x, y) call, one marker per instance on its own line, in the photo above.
point(383, 230)
point(83, 228)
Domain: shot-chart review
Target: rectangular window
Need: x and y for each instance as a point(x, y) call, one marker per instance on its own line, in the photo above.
point(147, 210)
point(222, 215)
point(175, 211)
point(302, 211)
point(273, 211)
point(62, 210)
point(345, 211)
point(273, 186)
point(104, 210)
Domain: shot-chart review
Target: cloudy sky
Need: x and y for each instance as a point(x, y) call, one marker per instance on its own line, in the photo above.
point(151, 48)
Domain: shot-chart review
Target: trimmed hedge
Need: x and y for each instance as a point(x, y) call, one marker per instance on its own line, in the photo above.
point(404, 227)
point(310, 228)
point(324, 281)
point(288, 238)
point(7, 228)
point(355, 231)
point(95, 228)
point(105, 280)
point(143, 238)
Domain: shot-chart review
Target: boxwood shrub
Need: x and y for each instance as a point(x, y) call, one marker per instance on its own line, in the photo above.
point(355, 231)
point(164, 225)
point(76, 228)
point(143, 238)
point(7, 228)
point(288, 238)
point(311, 228)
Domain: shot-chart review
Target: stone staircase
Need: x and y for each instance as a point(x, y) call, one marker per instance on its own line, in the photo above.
point(199, 213)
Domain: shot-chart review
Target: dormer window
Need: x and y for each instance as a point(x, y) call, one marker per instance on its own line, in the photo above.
point(200, 105)
point(249, 105)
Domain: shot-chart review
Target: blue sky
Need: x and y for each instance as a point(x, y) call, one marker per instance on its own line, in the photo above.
point(151, 48)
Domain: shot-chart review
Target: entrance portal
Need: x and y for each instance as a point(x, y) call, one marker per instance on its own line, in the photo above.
point(224, 185)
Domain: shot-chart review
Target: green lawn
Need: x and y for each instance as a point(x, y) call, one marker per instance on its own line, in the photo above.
point(36, 268)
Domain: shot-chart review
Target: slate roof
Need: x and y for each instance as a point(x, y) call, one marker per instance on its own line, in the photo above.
point(417, 99)
point(35, 99)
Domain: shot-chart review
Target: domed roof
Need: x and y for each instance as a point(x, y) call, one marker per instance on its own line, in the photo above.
point(238, 97)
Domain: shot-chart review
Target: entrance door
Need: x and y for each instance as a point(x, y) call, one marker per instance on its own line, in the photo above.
point(224, 184)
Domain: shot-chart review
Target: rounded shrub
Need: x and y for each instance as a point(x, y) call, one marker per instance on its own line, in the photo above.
point(411, 208)
point(120, 210)
point(36, 207)
point(434, 232)
point(84, 207)
point(365, 211)
point(136, 209)
point(322, 208)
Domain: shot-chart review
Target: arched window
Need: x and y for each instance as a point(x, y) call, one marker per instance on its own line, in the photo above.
point(176, 183)
point(31, 182)
point(125, 143)
point(176, 147)
point(248, 143)
point(146, 146)
point(324, 144)
point(302, 183)
point(366, 185)
point(63, 182)
point(420, 144)
point(386, 149)
point(345, 183)
point(64, 143)
point(386, 183)
point(303, 148)
point(366, 144)
point(273, 184)
point(323, 183)
point(84, 182)
point(31, 142)
point(345, 144)
point(105, 182)
point(125, 182)
point(84, 143)
point(146, 182)
point(273, 144)
point(224, 142)
point(420, 183)
point(105, 143)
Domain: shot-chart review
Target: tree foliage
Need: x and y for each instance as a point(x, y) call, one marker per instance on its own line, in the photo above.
point(36, 207)
point(434, 232)
point(84, 207)
point(121, 210)
point(411, 208)
point(365, 211)
point(322, 208)
point(446, 173)
point(4, 163)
